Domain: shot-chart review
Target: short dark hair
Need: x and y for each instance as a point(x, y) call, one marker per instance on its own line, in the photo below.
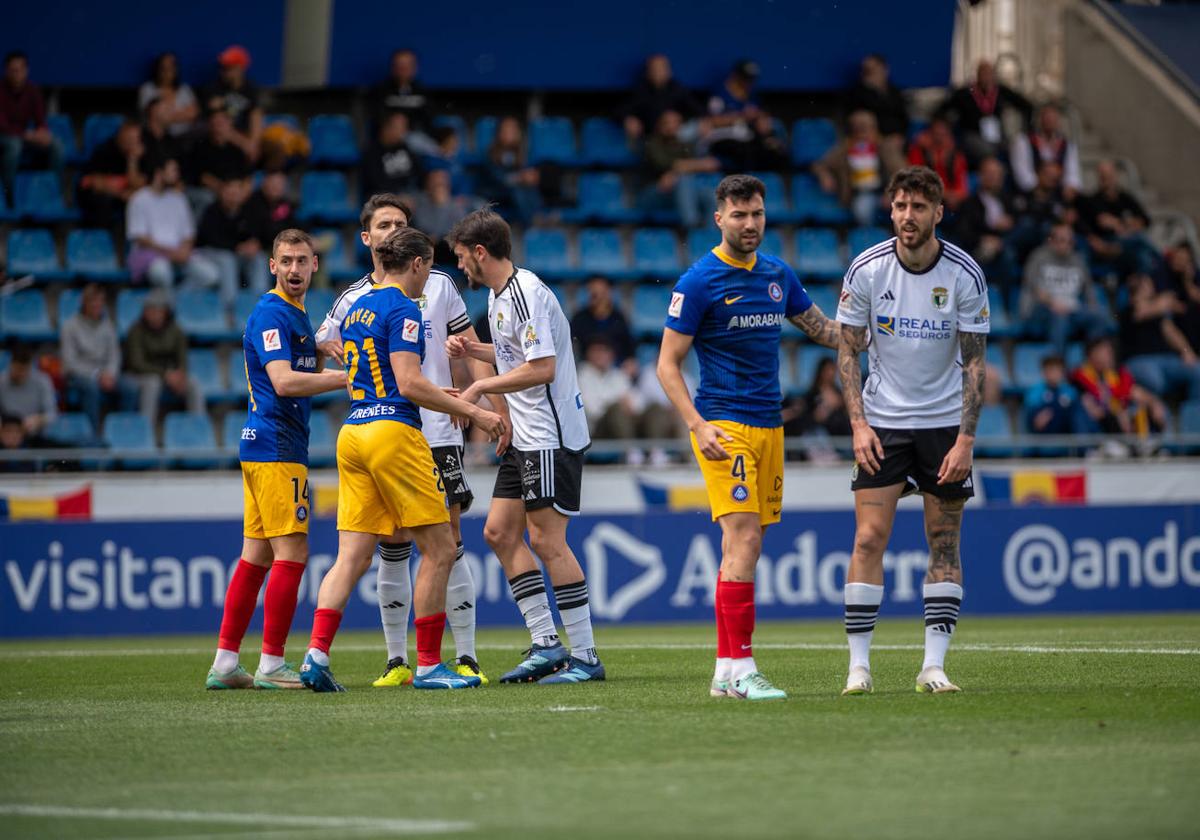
point(292, 236)
point(13, 55)
point(402, 246)
point(22, 354)
point(917, 179)
point(379, 201)
point(1052, 359)
point(740, 188)
point(483, 227)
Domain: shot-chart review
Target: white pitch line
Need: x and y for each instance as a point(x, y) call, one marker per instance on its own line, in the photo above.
point(979, 647)
point(398, 826)
point(574, 708)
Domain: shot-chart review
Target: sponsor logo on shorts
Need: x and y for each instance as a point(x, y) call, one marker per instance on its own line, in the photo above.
point(301, 513)
point(740, 493)
point(775, 291)
point(854, 472)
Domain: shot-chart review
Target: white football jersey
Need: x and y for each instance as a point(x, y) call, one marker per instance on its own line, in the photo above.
point(527, 323)
point(444, 314)
point(913, 320)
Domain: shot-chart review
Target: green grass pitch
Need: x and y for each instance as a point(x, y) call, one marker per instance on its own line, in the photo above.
point(1067, 727)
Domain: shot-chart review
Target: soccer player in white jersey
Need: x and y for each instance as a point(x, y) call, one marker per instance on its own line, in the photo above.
point(919, 306)
point(541, 474)
point(444, 314)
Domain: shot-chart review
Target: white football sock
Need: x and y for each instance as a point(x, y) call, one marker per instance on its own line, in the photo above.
point(741, 667)
point(319, 656)
point(460, 605)
point(862, 609)
point(225, 661)
point(942, 601)
point(572, 601)
point(268, 663)
point(724, 669)
point(395, 596)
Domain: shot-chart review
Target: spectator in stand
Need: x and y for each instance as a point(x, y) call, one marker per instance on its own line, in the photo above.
point(402, 93)
point(1059, 298)
point(612, 406)
point(24, 134)
point(874, 92)
point(1046, 141)
point(448, 155)
point(669, 167)
point(977, 113)
point(858, 167)
point(656, 91)
point(157, 138)
point(738, 131)
point(822, 408)
point(91, 358)
point(1040, 209)
point(161, 232)
point(180, 108)
point(1115, 223)
point(936, 148)
point(116, 170)
point(436, 209)
point(659, 419)
point(1182, 283)
point(156, 357)
point(1112, 400)
point(271, 209)
point(228, 239)
point(601, 318)
point(1155, 349)
point(390, 164)
point(1052, 407)
point(217, 158)
point(27, 394)
point(985, 226)
point(506, 178)
point(237, 96)
point(13, 439)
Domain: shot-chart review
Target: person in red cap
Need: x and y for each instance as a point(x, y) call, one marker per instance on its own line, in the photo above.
point(239, 97)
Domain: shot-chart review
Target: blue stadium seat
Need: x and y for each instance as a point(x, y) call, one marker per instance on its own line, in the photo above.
point(779, 209)
point(202, 364)
point(997, 358)
point(39, 198)
point(600, 252)
point(994, 422)
point(71, 429)
point(647, 354)
point(604, 144)
point(231, 430)
point(1027, 364)
point(97, 128)
point(546, 253)
point(239, 390)
point(602, 199)
point(317, 304)
point(808, 357)
point(1000, 325)
point(772, 243)
point(476, 301)
point(333, 141)
point(1074, 355)
point(826, 297)
point(33, 252)
point(325, 197)
point(129, 309)
point(1189, 417)
point(335, 259)
point(552, 140)
point(131, 431)
point(811, 139)
point(812, 204)
point(25, 315)
point(818, 254)
point(243, 304)
point(5, 358)
point(63, 129)
point(656, 253)
point(485, 133)
point(67, 304)
point(699, 242)
point(200, 315)
point(650, 310)
point(861, 238)
point(790, 383)
point(90, 255)
point(183, 431)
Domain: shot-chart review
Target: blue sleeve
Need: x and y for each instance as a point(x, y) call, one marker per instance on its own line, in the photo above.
point(795, 296)
point(271, 333)
point(404, 329)
point(689, 302)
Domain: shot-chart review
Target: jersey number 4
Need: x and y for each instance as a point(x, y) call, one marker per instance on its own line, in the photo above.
point(739, 467)
point(352, 355)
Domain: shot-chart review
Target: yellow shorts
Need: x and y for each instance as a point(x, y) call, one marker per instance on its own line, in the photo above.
point(387, 479)
point(751, 481)
point(276, 499)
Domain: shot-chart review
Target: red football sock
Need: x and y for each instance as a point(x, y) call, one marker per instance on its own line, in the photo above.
point(279, 604)
point(737, 605)
point(722, 634)
point(325, 627)
point(240, 600)
point(429, 638)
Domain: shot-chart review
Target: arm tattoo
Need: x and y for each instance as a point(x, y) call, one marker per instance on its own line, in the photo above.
point(853, 341)
point(942, 529)
point(821, 329)
point(974, 371)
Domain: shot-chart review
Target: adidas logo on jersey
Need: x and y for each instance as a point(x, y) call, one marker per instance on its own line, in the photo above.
point(887, 295)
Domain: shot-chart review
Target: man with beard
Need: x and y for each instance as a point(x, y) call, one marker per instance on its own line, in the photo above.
point(731, 305)
point(923, 305)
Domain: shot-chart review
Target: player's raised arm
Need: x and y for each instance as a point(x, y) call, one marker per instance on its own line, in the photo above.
point(294, 383)
point(672, 352)
point(413, 386)
point(462, 347)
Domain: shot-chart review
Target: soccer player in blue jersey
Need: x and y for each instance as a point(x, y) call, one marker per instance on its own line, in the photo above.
point(281, 372)
point(731, 306)
point(387, 478)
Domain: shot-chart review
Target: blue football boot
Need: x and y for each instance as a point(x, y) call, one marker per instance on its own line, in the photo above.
point(318, 677)
point(539, 662)
point(443, 677)
point(577, 671)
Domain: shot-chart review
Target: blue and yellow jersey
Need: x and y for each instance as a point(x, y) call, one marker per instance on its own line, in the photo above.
point(735, 311)
point(381, 322)
point(276, 427)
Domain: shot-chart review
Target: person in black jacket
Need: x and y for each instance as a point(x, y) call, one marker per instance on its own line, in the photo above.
point(875, 92)
point(227, 236)
point(655, 92)
point(985, 224)
point(977, 113)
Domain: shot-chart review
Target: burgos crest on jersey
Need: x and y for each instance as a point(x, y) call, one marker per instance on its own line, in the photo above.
point(775, 291)
point(940, 297)
point(740, 493)
point(422, 302)
point(499, 320)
